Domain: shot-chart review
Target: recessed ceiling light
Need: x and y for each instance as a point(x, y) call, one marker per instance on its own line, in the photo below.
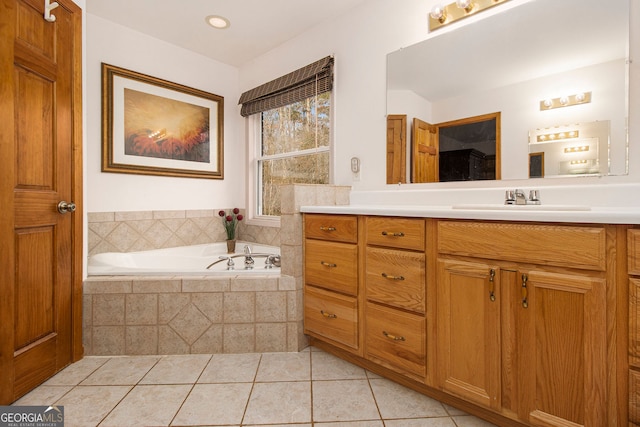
point(219, 22)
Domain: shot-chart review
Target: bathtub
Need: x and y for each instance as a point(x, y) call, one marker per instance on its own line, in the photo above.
point(184, 260)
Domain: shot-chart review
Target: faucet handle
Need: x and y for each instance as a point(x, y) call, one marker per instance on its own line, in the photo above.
point(534, 197)
point(509, 197)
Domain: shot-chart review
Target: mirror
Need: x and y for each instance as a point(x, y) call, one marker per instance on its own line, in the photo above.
point(510, 63)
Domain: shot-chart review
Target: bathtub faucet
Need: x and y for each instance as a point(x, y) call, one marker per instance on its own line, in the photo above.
point(248, 259)
point(230, 263)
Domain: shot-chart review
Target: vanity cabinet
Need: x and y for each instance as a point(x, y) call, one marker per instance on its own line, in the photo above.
point(331, 279)
point(520, 323)
point(394, 285)
point(633, 243)
point(521, 319)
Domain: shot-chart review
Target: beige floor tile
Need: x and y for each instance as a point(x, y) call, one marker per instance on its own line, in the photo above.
point(77, 372)
point(88, 405)
point(284, 367)
point(43, 395)
point(453, 411)
point(396, 401)
point(229, 368)
point(148, 405)
point(471, 421)
point(219, 403)
point(351, 424)
point(122, 371)
point(421, 422)
point(349, 400)
point(177, 369)
point(325, 366)
point(279, 402)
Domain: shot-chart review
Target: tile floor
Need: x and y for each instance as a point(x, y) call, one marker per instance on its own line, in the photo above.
point(310, 388)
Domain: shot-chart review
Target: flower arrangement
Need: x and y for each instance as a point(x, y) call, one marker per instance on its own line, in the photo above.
point(230, 222)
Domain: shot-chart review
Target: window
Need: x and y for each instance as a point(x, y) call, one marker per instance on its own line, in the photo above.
point(294, 148)
point(290, 122)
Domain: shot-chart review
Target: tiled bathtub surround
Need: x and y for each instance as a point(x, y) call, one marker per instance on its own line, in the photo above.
point(181, 315)
point(138, 315)
point(146, 230)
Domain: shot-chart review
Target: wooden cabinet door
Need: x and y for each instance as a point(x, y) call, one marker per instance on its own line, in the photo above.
point(40, 155)
point(562, 349)
point(468, 330)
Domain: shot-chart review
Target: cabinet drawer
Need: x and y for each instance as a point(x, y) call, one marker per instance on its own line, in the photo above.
point(634, 322)
point(634, 397)
point(633, 251)
point(336, 228)
point(396, 339)
point(331, 265)
point(394, 232)
point(396, 278)
point(565, 246)
point(332, 316)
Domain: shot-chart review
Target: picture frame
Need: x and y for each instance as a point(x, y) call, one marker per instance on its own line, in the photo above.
point(152, 126)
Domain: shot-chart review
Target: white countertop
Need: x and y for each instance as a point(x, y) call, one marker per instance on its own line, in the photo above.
point(550, 213)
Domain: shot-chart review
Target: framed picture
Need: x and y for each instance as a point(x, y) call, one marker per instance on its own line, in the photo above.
point(536, 165)
point(152, 126)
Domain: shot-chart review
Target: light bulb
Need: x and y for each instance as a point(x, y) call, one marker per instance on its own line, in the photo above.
point(580, 97)
point(438, 13)
point(564, 100)
point(467, 5)
point(548, 103)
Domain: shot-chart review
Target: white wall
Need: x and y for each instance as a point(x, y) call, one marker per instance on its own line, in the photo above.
point(106, 192)
point(360, 42)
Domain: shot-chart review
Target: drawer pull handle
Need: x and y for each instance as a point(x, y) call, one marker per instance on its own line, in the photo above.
point(328, 315)
point(328, 264)
point(492, 285)
point(398, 234)
point(386, 276)
point(393, 337)
point(525, 292)
point(323, 228)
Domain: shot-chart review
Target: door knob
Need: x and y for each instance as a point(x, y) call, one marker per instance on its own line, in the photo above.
point(64, 207)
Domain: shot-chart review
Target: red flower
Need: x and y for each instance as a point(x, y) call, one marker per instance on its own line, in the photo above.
point(230, 222)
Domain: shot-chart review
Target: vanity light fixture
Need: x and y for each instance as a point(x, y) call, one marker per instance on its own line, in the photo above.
point(565, 101)
point(557, 136)
point(217, 21)
point(579, 162)
point(444, 15)
point(579, 149)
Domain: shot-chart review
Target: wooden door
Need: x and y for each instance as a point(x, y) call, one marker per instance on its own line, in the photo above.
point(40, 151)
point(396, 148)
point(562, 349)
point(468, 330)
point(424, 158)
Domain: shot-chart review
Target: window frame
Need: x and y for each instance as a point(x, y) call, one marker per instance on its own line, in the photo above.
point(254, 151)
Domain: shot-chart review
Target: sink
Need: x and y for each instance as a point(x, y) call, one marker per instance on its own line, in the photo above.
point(540, 208)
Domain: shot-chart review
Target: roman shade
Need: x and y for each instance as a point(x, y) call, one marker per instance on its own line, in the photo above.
point(300, 84)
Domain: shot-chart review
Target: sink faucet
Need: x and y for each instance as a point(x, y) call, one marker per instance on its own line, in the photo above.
point(521, 199)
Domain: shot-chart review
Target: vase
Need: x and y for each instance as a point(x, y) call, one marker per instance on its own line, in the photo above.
point(231, 246)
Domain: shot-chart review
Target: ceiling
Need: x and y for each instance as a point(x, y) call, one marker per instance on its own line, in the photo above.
point(257, 26)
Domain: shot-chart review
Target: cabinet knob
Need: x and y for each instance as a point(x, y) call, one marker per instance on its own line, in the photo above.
point(328, 264)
